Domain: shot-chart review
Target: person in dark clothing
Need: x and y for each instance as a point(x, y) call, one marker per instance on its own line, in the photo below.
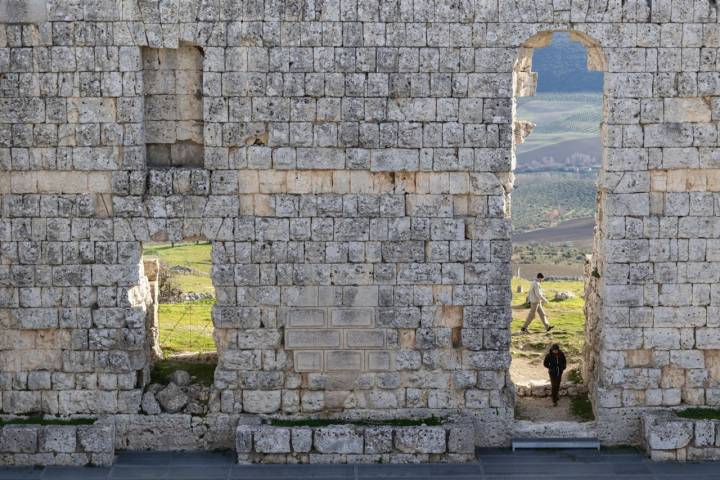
point(555, 363)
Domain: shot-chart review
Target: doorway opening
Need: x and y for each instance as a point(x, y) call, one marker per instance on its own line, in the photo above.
point(553, 215)
point(180, 327)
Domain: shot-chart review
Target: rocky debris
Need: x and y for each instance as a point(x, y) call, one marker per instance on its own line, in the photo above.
point(562, 296)
point(149, 404)
point(195, 408)
point(179, 396)
point(181, 269)
point(155, 387)
point(181, 378)
point(196, 296)
point(543, 390)
point(172, 398)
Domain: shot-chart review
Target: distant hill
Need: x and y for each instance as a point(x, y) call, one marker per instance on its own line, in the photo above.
point(567, 111)
point(562, 67)
point(578, 231)
point(580, 154)
point(560, 117)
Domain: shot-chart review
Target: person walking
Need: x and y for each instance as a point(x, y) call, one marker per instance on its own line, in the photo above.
point(536, 297)
point(555, 363)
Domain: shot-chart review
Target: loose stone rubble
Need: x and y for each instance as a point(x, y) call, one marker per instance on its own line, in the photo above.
point(543, 389)
point(352, 166)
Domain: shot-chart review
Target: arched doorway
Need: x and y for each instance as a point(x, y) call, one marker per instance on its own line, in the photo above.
point(557, 219)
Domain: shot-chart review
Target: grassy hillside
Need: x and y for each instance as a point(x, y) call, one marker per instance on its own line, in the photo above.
point(567, 317)
point(560, 117)
point(193, 258)
point(542, 200)
point(186, 326)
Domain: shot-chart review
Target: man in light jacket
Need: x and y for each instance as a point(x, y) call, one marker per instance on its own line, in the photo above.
point(536, 297)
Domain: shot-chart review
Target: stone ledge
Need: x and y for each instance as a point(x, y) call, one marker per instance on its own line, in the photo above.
point(668, 437)
point(452, 442)
point(74, 445)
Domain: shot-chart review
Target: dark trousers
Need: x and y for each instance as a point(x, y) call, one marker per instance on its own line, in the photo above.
point(555, 384)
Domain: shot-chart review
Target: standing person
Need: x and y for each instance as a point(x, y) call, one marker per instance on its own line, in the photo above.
point(555, 363)
point(536, 297)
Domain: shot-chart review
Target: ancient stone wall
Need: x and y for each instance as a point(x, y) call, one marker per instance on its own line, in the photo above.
point(356, 179)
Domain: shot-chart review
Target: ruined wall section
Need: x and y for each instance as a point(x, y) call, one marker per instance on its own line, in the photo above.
point(357, 164)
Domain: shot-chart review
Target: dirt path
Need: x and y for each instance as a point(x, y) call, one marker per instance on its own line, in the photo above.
point(542, 410)
point(525, 371)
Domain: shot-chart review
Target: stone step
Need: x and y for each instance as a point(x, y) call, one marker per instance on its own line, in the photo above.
point(550, 430)
point(555, 443)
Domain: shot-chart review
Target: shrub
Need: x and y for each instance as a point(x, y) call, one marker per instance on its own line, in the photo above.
point(170, 292)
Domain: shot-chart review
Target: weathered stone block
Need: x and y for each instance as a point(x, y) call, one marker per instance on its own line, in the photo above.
point(19, 439)
point(338, 439)
point(420, 440)
point(272, 440)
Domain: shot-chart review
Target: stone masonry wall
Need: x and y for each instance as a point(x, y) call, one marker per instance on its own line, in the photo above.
point(173, 106)
point(356, 185)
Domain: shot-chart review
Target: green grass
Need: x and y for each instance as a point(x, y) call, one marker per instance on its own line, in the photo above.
point(202, 373)
point(575, 376)
point(195, 256)
point(700, 413)
point(186, 327)
point(324, 422)
point(582, 408)
point(567, 317)
point(38, 420)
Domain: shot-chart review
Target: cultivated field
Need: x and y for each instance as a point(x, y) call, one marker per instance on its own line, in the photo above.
point(560, 117)
point(541, 200)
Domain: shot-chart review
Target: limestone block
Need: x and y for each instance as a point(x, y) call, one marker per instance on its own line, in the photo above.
point(461, 439)
point(22, 110)
point(23, 11)
point(272, 440)
point(338, 439)
point(19, 439)
point(312, 339)
point(420, 440)
point(679, 110)
point(343, 360)
point(704, 433)
point(244, 439)
point(669, 434)
point(57, 439)
point(261, 401)
point(301, 440)
point(394, 160)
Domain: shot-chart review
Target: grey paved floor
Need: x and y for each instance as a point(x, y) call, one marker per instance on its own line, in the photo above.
point(492, 464)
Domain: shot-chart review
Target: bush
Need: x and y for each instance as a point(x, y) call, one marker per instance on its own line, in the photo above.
point(170, 292)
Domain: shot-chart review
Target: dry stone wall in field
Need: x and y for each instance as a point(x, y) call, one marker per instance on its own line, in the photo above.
point(351, 161)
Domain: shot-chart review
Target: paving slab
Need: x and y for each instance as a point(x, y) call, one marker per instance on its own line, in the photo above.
point(492, 464)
